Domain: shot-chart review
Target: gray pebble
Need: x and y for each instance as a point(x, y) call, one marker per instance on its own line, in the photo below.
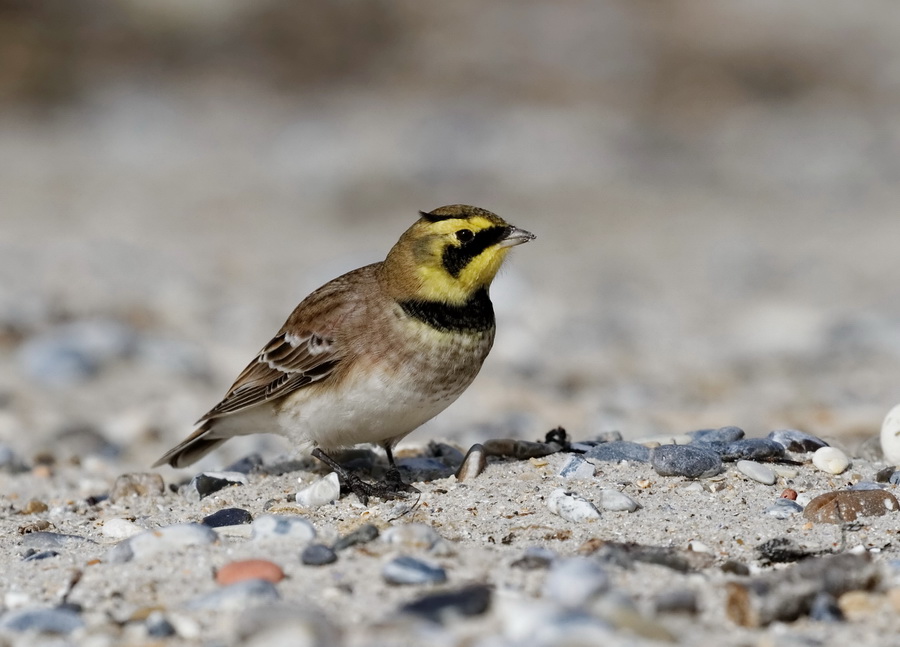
point(720, 435)
point(247, 465)
point(10, 461)
point(609, 499)
point(757, 471)
point(894, 478)
point(796, 441)
point(423, 468)
point(691, 461)
point(59, 620)
point(158, 626)
point(362, 535)
point(620, 451)
point(571, 506)
point(207, 483)
point(752, 449)
point(572, 582)
point(784, 509)
point(677, 601)
point(142, 484)
point(227, 517)
point(275, 526)
point(825, 608)
point(409, 570)
point(236, 597)
point(47, 540)
point(473, 464)
point(449, 605)
point(158, 540)
point(576, 468)
point(34, 556)
point(318, 555)
point(868, 485)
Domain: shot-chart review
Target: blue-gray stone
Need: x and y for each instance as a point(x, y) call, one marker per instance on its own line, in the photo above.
point(318, 555)
point(48, 540)
point(868, 485)
point(49, 621)
point(362, 535)
point(275, 526)
point(825, 608)
point(409, 570)
point(228, 517)
point(720, 435)
point(10, 461)
point(158, 626)
point(691, 461)
point(35, 556)
point(423, 468)
point(784, 509)
point(619, 450)
point(750, 449)
point(796, 441)
point(207, 483)
point(236, 597)
point(894, 478)
point(447, 605)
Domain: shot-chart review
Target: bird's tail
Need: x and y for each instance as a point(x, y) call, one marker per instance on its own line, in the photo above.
point(194, 447)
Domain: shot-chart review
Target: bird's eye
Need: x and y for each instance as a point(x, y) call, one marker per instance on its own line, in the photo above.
point(464, 235)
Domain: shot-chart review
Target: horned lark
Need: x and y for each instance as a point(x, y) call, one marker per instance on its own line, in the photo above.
point(373, 354)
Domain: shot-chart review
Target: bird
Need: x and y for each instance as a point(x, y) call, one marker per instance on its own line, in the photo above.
point(373, 354)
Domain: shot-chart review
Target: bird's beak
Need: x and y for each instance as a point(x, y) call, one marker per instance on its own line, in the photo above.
point(516, 236)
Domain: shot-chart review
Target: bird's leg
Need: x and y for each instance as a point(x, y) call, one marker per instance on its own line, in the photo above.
point(390, 488)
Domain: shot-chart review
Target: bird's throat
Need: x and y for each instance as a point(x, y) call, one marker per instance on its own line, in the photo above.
point(474, 315)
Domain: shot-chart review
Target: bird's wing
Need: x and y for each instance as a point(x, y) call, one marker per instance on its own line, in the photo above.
point(289, 362)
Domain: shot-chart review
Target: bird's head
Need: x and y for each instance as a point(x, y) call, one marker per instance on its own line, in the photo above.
point(451, 253)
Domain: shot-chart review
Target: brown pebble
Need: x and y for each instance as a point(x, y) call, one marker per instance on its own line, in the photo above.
point(249, 569)
point(137, 485)
point(34, 507)
point(35, 526)
point(473, 464)
point(789, 494)
point(847, 505)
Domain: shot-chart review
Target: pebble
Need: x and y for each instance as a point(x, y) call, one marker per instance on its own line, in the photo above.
point(868, 485)
point(10, 461)
point(207, 483)
point(34, 556)
point(824, 608)
point(445, 606)
point(677, 601)
point(274, 526)
point(610, 499)
point(141, 484)
point(362, 535)
point(249, 569)
point(321, 492)
point(757, 471)
point(120, 529)
point(473, 464)
point(576, 468)
point(423, 468)
point(847, 505)
point(720, 435)
point(153, 542)
point(58, 620)
point(41, 540)
point(535, 557)
point(414, 536)
point(409, 570)
point(227, 517)
point(796, 441)
point(519, 449)
point(691, 461)
point(571, 506)
point(885, 473)
point(831, 460)
point(788, 493)
point(753, 449)
point(572, 582)
point(318, 555)
point(236, 597)
point(784, 509)
point(247, 465)
point(621, 450)
point(890, 435)
point(158, 626)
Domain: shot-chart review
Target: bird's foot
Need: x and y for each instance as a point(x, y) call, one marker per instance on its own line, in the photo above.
point(390, 487)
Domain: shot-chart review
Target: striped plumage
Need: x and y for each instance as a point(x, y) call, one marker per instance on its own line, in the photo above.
point(373, 354)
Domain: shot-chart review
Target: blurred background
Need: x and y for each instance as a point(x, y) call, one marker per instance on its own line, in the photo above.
point(714, 188)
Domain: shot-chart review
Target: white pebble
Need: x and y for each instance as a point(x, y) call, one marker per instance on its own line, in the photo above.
point(757, 471)
point(571, 506)
point(418, 536)
point(321, 492)
point(615, 500)
point(576, 468)
point(120, 529)
point(152, 542)
point(831, 460)
point(890, 435)
point(276, 526)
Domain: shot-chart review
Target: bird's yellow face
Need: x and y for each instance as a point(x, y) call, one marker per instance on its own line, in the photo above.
point(456, 251)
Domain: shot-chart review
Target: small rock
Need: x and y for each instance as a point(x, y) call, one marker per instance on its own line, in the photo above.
point(576, 468)
point(35, 556)
point(868, 485)
point(158, 626)
point(890, 435)
point(677, 601)
point(519, 449)
point(246, 465)
point(572, 582)
point(273, 526)
point(753, 449)
point(42, 540)
point(535, 557)
point(318, 555)
point(619, 451)
point(824, 608)
point(473, 464)
point(885, 473)
point(414, 536)
point(571, 506)
point(831, 460)
point(423, 468)
point(848, 505)
point(10, 461)
point(720, 435)
point(609, 499)
point(691, 461)
point(796, 441)
point(227, 517)
point(449, 605)
point(249, 569)
point(141, 484)
point(59, 620)
point(362, 535)
point(788, 493)
point(34, 507)
point(207, 483)
point(120, 529)
point(784, 509)
point(757, 471)
point(153, 542)
point(409, 570)
point(236, 597)
point(781, 550)
point(321, 492)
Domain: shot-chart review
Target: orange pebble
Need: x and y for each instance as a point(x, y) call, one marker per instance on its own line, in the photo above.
point(249, 569)
point(789, 494)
